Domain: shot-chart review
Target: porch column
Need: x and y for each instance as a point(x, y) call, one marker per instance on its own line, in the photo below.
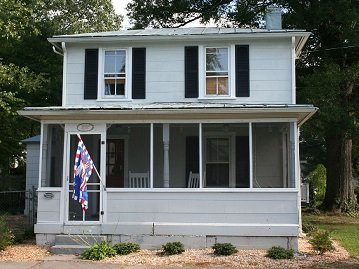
point(166, 162)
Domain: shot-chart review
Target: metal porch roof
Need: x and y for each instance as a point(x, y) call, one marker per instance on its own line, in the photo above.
point(170, 112)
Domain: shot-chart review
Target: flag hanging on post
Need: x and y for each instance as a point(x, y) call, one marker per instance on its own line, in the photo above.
point(82, 172)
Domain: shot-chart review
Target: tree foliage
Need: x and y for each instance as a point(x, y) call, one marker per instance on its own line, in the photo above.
point(169, 13)
point(30, 73)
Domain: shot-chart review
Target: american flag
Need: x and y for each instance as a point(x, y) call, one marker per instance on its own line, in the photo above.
point(82, 173)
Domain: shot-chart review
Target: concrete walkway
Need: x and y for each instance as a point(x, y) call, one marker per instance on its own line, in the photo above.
point(73, 262)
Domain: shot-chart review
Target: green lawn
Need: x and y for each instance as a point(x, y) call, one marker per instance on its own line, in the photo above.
point(344, 229)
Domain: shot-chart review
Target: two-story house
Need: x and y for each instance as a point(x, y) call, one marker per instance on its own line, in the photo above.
point(194, 133)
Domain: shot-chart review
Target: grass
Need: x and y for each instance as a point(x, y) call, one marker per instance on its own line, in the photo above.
point(342, 228)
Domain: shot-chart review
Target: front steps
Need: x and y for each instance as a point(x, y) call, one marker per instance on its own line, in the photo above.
point(75, 244)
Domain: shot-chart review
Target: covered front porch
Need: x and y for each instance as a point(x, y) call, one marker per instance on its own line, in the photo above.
point(246, 161)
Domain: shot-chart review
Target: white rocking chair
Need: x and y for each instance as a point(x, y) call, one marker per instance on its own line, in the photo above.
point(193, 180)
point(139, 180)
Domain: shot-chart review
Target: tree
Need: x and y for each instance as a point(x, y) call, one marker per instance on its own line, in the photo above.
point(328, 71)
point(30, 73)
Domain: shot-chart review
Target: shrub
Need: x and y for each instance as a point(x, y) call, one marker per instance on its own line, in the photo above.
point(98, 252)
point(308, 227)
point(126, 248)
point(317, 181)
point(224, 249)
point(172, 248)
point(277, 253)
point(321, 242)
point(6, 236)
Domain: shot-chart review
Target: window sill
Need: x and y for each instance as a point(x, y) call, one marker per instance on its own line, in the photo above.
point(113, 99)
point(217, 98)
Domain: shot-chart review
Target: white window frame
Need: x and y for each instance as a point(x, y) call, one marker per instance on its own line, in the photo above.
point(202, 73)
point(128, 75)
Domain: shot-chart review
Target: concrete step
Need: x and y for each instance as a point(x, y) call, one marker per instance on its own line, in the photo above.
point(68, 249)
point(79, 240)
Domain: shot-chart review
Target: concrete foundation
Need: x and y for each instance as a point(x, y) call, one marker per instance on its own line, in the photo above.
point(156, 241)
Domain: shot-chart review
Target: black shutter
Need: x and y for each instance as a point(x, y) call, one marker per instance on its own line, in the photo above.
point(242, 161)
point(191, 71)
point(91, 74)
point(242, 71)
point(138, 73)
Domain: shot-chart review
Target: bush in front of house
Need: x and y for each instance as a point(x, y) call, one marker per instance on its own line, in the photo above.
point(126, 248)
point(224, 249)
point(98, 251)
point(278, 253)
point(308, 227)
point(172, 248)
point(6, 236)
point(321, 242)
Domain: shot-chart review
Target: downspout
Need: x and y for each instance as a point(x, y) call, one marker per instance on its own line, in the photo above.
point(64, 74)
point(61, 50)
point(55, 49)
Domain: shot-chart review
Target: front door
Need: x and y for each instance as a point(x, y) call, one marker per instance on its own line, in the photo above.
point(94, 185)
point(115, 163)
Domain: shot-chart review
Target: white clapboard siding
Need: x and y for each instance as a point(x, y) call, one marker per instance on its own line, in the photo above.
point(270, 71)
point(48, 210)
point(206, 207)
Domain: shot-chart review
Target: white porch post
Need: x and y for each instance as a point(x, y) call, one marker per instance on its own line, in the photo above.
point(166, 162)
point(201, 178)
point(151, 155)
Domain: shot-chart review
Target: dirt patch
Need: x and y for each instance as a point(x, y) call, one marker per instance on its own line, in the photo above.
point(24, 252)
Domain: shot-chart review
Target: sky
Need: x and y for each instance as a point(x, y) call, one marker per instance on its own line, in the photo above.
point(120, 8)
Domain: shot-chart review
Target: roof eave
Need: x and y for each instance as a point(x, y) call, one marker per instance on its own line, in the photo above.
point(302, 114)
point(229, 36)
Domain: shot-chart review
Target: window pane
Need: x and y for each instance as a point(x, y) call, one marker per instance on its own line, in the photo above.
point(115, 86)
point(222, 86)
point(110, 86)
point(217, 86)
point(120, 87)
point(211, 86)
point(115, 62)
point(120, 61)
point(110, 63)
point(217, 59)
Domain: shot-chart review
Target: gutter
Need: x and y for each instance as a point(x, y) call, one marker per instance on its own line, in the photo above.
point(145, 38)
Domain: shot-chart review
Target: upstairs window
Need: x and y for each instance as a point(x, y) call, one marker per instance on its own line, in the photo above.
point(115, 73)
point(217, 72)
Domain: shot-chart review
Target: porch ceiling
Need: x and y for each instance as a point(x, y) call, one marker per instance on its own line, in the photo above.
point(170, 112)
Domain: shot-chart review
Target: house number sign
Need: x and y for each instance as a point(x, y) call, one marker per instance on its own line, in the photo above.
point(85, 127)
point(48, 195)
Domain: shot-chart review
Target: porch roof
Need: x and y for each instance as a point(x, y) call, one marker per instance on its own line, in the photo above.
point(170, 112)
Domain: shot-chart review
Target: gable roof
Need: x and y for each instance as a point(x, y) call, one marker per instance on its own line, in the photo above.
point(191, 33)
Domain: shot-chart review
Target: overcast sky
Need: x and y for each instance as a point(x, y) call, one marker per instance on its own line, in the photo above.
point(120, 8)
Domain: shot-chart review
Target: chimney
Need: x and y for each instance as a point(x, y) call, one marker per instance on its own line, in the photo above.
point(273, 18)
